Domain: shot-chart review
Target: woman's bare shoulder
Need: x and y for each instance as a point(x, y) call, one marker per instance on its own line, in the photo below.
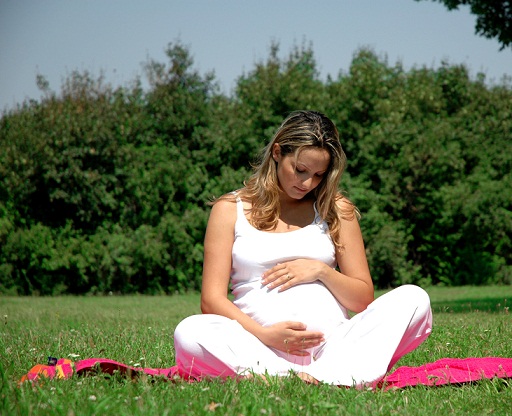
point(227, 201)
point(224, 208)
point(346, 208)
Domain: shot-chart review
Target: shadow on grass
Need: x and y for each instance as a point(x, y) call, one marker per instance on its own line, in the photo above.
point(493, 305)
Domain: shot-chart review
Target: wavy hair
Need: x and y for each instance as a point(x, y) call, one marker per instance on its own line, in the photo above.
point(300, 130)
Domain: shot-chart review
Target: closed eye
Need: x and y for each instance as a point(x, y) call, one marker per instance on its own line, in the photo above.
point(318, 175)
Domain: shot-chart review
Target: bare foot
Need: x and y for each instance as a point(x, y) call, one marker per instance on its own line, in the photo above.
point(307, 378)
point(253, 376)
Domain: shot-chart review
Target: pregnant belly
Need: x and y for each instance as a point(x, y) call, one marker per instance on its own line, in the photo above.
point(312, 304)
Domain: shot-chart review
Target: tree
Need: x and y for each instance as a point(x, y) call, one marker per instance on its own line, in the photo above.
point(494, 17)
point(106, 189)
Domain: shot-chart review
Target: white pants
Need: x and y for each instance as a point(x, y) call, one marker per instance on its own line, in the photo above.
point(357, 352)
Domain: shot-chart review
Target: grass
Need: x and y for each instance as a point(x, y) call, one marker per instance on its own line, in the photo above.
point(137, 330)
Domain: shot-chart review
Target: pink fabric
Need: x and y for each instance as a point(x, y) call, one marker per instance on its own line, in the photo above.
point(443, 371)
point(449, 371)
point(109, 366)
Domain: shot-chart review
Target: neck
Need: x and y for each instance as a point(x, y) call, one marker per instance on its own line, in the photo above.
point(290, 203)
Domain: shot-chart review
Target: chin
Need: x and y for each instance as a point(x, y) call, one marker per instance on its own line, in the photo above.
point(298, 194)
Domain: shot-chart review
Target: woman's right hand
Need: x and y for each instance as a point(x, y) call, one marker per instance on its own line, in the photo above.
point(291, 337)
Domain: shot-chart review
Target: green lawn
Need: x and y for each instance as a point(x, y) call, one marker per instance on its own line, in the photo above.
point(137, 330)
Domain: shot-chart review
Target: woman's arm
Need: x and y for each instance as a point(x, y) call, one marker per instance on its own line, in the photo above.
point(218, 246)
point(352, 286)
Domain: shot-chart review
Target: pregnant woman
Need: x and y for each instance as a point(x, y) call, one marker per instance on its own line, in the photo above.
point(290, 247)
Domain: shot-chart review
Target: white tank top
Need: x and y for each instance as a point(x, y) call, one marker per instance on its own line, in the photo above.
point(255, 251)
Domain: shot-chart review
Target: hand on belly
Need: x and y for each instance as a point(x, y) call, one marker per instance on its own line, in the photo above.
point(312, 304)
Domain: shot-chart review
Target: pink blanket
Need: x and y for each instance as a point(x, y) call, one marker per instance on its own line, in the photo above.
point(443, 371)
point(449, 371)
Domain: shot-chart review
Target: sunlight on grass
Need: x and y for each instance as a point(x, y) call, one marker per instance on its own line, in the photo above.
point(137, 330)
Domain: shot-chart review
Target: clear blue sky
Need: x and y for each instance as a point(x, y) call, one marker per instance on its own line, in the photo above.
point(55, 37)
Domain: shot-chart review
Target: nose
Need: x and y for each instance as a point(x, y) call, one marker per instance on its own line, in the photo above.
point(308, 182)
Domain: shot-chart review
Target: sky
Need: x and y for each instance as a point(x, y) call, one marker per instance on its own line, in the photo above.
point(116, 37)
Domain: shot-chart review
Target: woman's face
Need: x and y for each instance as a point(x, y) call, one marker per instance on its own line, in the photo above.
point(300, 175)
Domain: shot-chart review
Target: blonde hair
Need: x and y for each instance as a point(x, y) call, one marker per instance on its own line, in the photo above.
point(301, 129)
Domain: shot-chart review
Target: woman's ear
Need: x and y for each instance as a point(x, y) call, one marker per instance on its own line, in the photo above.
point(276, 152)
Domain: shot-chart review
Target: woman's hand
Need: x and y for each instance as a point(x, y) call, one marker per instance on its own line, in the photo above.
point(291, 273)
point(291, 337)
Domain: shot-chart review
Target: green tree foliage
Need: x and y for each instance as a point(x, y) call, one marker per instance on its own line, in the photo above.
point(494, 17)
point(105, 189)
point(412, 146)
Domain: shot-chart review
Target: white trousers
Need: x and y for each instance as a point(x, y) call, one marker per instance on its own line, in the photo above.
point(357, 352)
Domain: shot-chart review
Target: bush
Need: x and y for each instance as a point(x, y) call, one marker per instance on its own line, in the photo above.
point(107, 189)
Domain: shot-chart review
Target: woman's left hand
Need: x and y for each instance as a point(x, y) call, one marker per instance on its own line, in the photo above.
point(291, 273)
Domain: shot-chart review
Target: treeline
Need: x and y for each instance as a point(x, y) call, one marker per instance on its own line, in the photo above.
point(107, 189)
